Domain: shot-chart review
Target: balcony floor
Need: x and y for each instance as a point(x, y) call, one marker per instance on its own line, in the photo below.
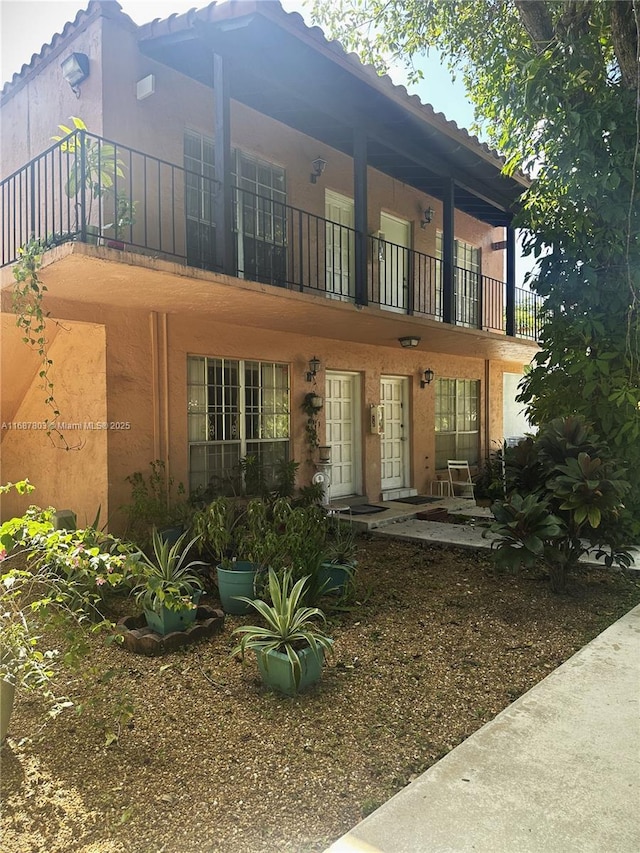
point(82, 273)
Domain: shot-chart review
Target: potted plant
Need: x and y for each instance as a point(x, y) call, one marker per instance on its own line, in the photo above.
point(324, 453)
point(101, 164)
point(339, 563)
point(237, 540)
point(290, 646)
point(168, 588)
point(125, 218)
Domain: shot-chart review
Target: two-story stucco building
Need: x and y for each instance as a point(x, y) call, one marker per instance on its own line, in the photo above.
point(249, 198)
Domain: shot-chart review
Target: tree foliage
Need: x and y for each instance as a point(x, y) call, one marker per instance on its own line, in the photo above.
point(555, 89)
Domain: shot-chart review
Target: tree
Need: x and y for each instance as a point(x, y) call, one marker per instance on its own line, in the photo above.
point(555, 87)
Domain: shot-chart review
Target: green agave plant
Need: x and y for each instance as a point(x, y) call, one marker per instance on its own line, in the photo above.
point(289, 626)
point(166, 578)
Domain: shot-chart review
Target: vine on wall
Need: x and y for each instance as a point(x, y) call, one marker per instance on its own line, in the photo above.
point(28, 295)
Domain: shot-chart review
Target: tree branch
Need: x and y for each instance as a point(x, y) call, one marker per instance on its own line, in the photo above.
point(536, 20)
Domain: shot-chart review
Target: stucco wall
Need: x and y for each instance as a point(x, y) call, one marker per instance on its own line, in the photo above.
point(33, 111)
point(74, 478)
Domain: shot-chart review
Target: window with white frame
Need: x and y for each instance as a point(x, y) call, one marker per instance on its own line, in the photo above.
point(236, 409)
point(199, 165)
point(467, 278)
point(261, 220)
point(457, 420)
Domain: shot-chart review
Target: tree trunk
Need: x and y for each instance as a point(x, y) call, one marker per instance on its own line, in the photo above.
point(624, 35)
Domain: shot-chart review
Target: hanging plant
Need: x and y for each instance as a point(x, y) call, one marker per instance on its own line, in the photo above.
point(311, 406)
point(31, 319)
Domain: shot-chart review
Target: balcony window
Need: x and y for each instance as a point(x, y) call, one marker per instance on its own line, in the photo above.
point(466, 282)
point(457, 420)
point(200, 184)
point(235, 409)
point(261, 220)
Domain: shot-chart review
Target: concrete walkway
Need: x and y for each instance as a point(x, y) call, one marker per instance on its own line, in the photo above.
point(558, 771)
point(399, 521)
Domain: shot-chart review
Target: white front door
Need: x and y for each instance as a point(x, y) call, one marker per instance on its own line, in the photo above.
point(339, 245)
point(394, 443)
point(343, 432)
point(394, 262)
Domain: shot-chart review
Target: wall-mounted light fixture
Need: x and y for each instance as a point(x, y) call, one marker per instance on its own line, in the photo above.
point(427, 215)
point(409, 342)
point(318, 166)
point(314, 367)
point(75, 70)
point(428, 378)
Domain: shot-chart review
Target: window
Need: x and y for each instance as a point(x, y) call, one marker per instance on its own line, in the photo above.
point(199, 190)
point(457, 420)
point(467, 276)
point(261, 220)
point(235, 409)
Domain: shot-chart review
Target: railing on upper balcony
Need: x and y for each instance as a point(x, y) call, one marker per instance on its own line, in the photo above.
point(95, 190)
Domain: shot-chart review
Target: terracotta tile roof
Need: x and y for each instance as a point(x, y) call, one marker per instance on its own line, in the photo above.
point(294, 22)
point(215, 12)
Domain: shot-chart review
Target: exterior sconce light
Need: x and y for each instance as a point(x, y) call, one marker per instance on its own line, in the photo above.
point(75, 70)
point(318, 166)
point(314, 367)
point(428, 378)
point(427, 215)
point(409, 342)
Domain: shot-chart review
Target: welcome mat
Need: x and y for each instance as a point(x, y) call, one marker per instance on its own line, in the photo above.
point(362, 509)
point(439, 514)
point(416, 499)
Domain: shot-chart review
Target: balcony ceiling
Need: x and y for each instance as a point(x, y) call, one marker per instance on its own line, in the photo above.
point(283, 69)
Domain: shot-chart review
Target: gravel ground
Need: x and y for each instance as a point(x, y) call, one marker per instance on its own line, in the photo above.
point(187, 752)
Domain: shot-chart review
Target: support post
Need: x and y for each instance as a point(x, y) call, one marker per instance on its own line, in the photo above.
point(511, 282)
point(222, 158)
point(360, 213)
point(448, 253)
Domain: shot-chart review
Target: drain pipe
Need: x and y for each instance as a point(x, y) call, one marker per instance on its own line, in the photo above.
point(487, 407)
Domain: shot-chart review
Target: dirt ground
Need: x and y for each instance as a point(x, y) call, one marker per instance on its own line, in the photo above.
point(187, 752)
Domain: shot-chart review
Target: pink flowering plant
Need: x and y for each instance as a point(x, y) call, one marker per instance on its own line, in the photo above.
point(50, 577)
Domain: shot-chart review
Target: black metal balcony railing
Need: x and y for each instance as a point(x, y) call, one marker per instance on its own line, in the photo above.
point(94, 190)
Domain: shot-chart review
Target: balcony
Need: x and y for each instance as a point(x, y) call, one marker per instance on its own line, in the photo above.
point(88, 189)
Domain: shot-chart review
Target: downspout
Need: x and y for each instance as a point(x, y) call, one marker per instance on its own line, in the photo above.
point(155, 382)
point(165, 391)
point(487, 407)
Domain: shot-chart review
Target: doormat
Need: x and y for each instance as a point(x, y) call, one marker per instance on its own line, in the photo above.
point(362, 509)
point(416, 499)
point(440, 514)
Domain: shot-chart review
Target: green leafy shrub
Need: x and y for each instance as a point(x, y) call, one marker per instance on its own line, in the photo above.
point(565, 496)
point(49, 578)
point(156, 502)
